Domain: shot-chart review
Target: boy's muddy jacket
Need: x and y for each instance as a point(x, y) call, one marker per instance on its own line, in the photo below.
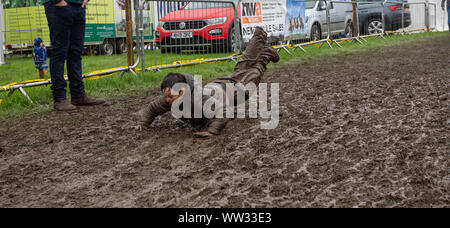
point(249, 69)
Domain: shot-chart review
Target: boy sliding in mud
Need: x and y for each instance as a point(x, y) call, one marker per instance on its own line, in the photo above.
point(249, 69)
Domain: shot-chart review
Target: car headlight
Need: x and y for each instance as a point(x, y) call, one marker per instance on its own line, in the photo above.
point(215, 32)
point(215, 21)
point(161, 24)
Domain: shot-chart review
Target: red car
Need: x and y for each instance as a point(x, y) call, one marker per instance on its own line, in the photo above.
point(197, 26)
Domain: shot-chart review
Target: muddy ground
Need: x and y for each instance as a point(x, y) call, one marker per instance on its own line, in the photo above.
point(367, 130)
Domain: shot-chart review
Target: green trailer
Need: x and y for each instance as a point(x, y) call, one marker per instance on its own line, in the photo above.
point(24, 20)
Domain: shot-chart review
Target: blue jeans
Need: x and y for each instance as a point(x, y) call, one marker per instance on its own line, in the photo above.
point(67, 25)
point(448, 14)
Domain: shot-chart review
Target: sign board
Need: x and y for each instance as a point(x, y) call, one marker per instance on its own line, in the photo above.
point(295, 20)
point(268, 14)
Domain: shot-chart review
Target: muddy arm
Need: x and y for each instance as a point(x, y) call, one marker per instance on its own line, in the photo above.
point(157, 108)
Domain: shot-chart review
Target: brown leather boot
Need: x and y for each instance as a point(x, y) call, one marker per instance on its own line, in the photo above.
point(86, 101)
point(272, 53)
point(63, 105)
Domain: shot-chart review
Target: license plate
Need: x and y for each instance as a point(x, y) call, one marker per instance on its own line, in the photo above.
point(182, 35)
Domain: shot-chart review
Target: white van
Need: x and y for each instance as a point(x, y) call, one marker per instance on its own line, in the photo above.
point(316, 19)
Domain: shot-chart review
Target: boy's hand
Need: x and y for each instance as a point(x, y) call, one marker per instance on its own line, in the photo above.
point(144, 117)
point(203, 134)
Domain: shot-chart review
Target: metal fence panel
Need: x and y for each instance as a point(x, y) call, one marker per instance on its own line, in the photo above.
point(2, 44)
point(432, 16)
point(189, 32)
point(418, 16)
point(175, 33)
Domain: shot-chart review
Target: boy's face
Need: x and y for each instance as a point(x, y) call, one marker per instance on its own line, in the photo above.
point(171, 96)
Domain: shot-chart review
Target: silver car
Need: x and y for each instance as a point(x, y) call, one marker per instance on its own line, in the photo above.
point(316, 19)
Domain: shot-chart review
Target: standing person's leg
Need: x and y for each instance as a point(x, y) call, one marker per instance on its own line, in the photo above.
point(59, 23)
point(448, 14)
point(74, 64)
